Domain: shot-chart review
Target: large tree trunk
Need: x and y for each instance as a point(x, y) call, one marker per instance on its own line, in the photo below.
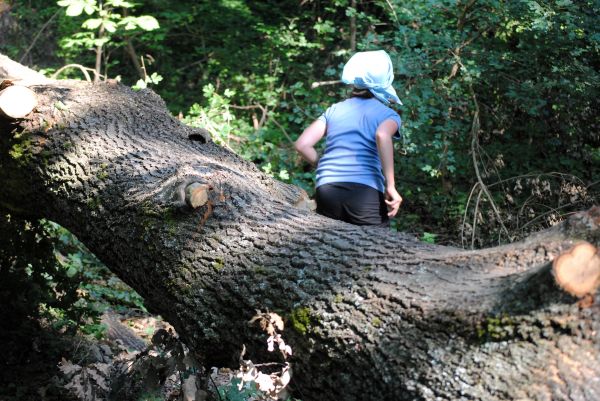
point(377, 315)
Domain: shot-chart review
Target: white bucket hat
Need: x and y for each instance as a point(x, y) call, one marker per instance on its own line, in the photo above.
point(373, 71)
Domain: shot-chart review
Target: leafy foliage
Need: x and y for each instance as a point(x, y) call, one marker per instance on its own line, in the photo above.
point(45, 272)
point(27, 269)
point(106, 26)
point(527, 71)
point(243, 70)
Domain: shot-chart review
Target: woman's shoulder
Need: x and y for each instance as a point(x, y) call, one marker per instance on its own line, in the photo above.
point(345, 104)
point(380, 109)
point(381, 106)
point(371, 105)
point(348, 102)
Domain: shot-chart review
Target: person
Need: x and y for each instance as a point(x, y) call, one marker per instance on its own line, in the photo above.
point(355, 176)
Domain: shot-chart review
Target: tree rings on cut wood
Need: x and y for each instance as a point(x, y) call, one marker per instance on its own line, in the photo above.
point(196, 194)
point(17, 101)
point(577, 271)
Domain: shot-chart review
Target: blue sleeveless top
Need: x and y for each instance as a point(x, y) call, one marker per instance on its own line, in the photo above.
point(351, 149)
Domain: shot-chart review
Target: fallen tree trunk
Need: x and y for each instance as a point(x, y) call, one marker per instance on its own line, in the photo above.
point(208, 239)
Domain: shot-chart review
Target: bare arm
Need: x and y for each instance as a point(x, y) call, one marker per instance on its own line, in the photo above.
point(385, 146)
point(305, 145)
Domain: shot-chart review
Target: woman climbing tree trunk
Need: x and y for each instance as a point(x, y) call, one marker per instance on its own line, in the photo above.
point(208, 239)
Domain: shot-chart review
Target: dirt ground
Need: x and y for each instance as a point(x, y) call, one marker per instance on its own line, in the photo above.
point(31, 355)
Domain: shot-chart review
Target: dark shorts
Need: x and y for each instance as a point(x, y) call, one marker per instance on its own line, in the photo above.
point(353, 203)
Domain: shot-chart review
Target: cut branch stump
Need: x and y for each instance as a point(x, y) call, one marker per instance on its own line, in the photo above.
point(577, 271)
point(17, 101)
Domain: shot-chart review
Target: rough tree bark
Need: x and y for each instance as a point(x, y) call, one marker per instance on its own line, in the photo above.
point(372, 315)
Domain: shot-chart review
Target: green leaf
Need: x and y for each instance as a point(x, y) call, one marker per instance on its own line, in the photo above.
point(92, 23)
point(119, 3)
point(284, 175)
point(147, 23)
point(89, 9)
point(140, 84)
point(155, 78)
point(428, 237)
point(100, 42)
point(75, 9)
point(71, 271)
point(129, 24)
point(60, 106)
point(110, 26)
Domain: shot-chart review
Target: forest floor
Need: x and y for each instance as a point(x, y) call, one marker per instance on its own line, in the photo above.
point(35, 352)
point(41, 363)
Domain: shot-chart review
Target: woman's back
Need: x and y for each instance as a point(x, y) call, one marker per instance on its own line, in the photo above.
point(355, 176)
point(351, 153)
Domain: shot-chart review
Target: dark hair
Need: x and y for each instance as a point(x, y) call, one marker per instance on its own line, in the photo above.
point(362, 93)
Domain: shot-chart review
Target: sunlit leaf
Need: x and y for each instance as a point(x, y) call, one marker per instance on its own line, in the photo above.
point(119, 3)
point(147, 22)
point(75, 9)
point(92, 23)
point(110, 26)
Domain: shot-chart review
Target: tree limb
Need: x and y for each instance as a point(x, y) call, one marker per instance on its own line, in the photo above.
point(84, 70)
point(34, 41)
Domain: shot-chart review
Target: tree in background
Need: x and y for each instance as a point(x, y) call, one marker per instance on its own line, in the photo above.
point(102, 27)
point(500, 98)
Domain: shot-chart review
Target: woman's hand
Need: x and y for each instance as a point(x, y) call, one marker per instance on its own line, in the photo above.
point(393, 200)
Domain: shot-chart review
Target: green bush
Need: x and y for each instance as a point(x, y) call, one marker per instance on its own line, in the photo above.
point(46, 273)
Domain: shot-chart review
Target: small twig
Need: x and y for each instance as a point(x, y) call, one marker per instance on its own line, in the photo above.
point(353, 27)
point(144, 69)
point(490, 160)
point(315, 85)
point(130, 50)
point(99, 52)
point(538, 175)
point(264, 112)
point(216, 388)
point(552, 210)
point(202, 61)
point(522, 208)
point(263, 117)
point(269, 364)
point(298, 106)
point(464, 222)
point(77, 349)
point(42, 29)
point(475, 219)
point(592, 184)
point(83, 69)
point(282, 130)
point(249, 107)
point(393, 11)
point(474, 146)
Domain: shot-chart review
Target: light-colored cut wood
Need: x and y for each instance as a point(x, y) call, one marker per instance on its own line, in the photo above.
point(577, 271)
point(17, 101)
point(196, 194)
